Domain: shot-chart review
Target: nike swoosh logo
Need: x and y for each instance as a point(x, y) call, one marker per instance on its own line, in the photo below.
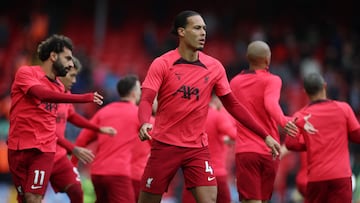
point(211, 178)
point(35, 187)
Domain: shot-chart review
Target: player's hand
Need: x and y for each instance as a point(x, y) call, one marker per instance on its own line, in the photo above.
point(291, 129)
point(83, 154)
point(273, 145)
point(108, 130)
point(144, 131)
point(98, 98)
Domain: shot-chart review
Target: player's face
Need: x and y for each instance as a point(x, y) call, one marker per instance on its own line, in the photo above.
point(70, 79)
point(195, 32)
point(63, 62)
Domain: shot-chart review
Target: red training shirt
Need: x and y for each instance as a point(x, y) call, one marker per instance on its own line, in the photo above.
point(32, 122)
point(184, 91)
point(325, 125)
point(259, 92)
point(113, 154)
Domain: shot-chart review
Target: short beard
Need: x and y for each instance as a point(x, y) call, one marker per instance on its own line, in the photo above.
point(60, 69)
point(199, 48)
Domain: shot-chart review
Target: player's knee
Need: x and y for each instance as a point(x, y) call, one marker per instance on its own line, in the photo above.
point(32, 198)
point(75, 193)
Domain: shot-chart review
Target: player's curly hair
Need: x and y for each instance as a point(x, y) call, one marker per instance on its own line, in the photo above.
point(181, 20)
point(54, 43)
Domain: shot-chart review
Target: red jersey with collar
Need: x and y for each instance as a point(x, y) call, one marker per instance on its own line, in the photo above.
point(113, 154)
point(64, 110)
point(184, 91)
point(259, 92)
point(219, 124)
point(325, 125)
point(32, 122)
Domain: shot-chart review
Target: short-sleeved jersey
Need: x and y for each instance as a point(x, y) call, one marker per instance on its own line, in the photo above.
point(325, 125)
point(32, 122)
point(114, 153)
point(219, 124)
point(64, 110)
point(184, 91)
point(259, 92)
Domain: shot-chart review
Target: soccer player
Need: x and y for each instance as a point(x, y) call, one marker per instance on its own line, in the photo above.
point(326, 126)
point(218, 125)
point(64, 176)
point(111, 169)
point(183, 80)
point(259, 91)
point(35, 93)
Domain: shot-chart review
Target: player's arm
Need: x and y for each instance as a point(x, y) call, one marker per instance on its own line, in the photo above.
point(354, 136)
point(271, 103)
point(44, 94)
point(82, 122)
point(82, 154)
point(295, 144)
point(241, 114)
point(144, 113)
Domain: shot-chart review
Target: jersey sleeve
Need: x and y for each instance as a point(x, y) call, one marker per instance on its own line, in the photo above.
point(352, 122)
point(222, 86)
point(155, 75)
point(25, 79)
point(271, 100)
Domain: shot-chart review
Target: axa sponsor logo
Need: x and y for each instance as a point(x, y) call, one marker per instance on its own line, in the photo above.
point(188, 92)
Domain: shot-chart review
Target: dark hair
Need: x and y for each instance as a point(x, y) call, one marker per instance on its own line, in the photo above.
point(181, 20)
point(313, 83)
point(55, 43)
point(126, 84)
point(77, 63)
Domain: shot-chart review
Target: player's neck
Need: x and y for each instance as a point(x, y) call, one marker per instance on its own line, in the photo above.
point(47, 67)
point(188, 54)
point(319, 96)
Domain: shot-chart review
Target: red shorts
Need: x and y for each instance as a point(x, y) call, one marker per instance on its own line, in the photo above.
point(164, 162)
point(110, 188)
point(30, 170)
point(255, 174)
point(63, 174)
point(335, 190)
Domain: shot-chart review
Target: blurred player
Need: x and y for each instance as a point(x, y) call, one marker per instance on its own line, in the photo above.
point(35, 93)
point(64, 176)
point(259, 91)
point(111, 168)
point(183, 80)
point(326, 126)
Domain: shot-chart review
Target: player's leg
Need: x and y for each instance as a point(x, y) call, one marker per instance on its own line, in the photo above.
point(199, 175)
point(65, 178)
point(248, 177)
point(223, 194)
point(31, 171)
point(268, 175)
point(340, 190)
point(162, 165)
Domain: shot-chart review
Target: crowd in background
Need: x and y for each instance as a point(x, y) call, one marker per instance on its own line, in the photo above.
point(113, 38)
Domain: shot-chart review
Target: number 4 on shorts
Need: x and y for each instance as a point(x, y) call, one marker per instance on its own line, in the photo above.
point(208, 168)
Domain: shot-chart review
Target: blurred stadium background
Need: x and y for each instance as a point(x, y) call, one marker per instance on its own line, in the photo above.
point(113, 38)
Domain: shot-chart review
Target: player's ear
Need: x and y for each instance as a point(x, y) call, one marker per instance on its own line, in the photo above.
point(181, 31)
point(53, 56)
